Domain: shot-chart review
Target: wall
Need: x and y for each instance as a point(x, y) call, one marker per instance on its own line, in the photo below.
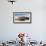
point(9, 30)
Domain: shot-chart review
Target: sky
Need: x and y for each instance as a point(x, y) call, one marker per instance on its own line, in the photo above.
point(21, 13)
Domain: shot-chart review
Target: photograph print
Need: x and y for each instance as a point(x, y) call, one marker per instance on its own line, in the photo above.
point(22, 17)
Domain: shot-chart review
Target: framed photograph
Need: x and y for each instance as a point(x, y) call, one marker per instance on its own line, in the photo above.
point(22, 17)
